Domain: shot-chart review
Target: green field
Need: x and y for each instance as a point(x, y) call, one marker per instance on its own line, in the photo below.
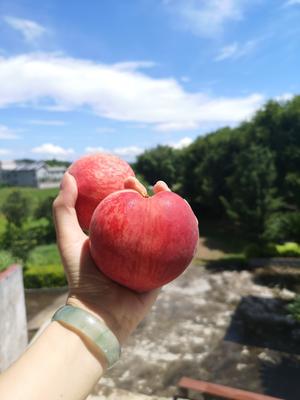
point(34, 194)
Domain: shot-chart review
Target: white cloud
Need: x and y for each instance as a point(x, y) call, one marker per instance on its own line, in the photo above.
point(6, 133)
point(46, 122)
point(236, 50)
point(184, 142)
point(71, 84)
point(129, 152)
point(30, 30)
point(52, 150)
point(4, 152)
point(206, 17)
point(285, 97)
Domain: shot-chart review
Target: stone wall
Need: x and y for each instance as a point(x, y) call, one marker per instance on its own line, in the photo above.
point(274, 262)
point(13, 326)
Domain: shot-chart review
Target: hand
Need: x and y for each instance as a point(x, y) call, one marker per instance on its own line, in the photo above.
point(120, 308)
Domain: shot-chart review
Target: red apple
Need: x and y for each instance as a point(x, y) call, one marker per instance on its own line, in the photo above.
point(97, 176)
point(143, 242)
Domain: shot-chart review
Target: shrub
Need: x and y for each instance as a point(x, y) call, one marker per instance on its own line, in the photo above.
point(18, 241)
point(294, 308)
point(264, 250)
point(283, 227)
point(289, 249)
point(16, 208)
point(6, 259)
point(44, 276)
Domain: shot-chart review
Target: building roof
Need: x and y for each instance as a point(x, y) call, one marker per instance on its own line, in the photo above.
point(21, 166)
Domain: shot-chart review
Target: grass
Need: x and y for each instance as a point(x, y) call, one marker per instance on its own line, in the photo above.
point(44, 255)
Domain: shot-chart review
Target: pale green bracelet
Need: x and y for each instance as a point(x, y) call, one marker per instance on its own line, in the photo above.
point(93, 328)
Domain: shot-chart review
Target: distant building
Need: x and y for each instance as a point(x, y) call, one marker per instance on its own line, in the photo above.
point(33, 174)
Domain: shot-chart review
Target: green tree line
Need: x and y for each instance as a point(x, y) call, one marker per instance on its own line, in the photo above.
point(248, 175)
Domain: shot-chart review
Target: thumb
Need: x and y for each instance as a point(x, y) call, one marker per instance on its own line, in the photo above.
point(67, 226)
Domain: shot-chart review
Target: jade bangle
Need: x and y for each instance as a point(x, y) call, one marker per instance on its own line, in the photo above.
point(93, 328)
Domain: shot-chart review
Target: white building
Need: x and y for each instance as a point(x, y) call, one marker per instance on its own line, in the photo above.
point(34, 174)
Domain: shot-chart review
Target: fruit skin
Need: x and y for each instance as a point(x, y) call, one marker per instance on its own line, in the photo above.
point(143, 243)
point(97, 176)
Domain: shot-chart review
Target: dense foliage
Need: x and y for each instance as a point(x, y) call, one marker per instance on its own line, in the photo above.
point(27, 223)
point(249, 175)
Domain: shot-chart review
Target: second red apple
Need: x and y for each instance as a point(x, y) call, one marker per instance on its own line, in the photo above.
point(97, 176)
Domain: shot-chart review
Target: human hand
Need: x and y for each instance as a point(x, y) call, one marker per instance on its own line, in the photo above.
point(120, 308)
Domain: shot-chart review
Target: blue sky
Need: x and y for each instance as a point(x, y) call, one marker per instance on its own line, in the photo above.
point(124, 76)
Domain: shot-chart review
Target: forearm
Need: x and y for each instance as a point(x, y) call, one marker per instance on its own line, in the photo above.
point(61, 364)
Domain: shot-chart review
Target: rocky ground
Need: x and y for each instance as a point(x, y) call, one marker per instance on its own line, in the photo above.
point(211, 325)
point(189, 333)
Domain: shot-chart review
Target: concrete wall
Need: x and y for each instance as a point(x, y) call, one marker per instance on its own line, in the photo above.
point(13, 326)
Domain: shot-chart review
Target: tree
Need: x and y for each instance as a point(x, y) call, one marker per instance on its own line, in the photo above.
point(253, 196)
point(44, 210)
point(159, 163)
point(19, 240)
point(16, 208)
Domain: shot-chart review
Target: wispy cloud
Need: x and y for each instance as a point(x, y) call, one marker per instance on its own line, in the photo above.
point(236, 50)
point(30, 30)
point(71, 84)
point(292, 3)
point(206, 17)
point(129, 151)
point(4, 152)
point(46, 122)
point(7, 133)
point(50, 149)
point(176, 126)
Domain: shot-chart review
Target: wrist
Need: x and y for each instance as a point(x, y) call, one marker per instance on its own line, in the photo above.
point(100, 313)
point(79, 344)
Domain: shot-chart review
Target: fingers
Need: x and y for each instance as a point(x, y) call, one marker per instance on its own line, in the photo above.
point(161, 186)
point(65, 218)
point(135, 184)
